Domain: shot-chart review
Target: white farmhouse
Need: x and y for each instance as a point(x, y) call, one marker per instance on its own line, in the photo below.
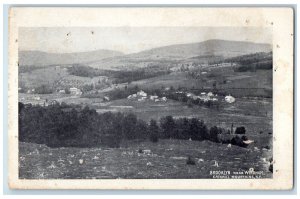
point(106, 98)
point(229, 99)
point(75, 91)
point(62, 91)
point(189, 94)
point(164, 99)
point(36, 98)
point(142, 94)
point(153, 97)
point(210, 94)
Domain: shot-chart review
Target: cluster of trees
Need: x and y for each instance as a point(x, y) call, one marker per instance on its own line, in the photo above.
point(134, 75)
point(44, 89)
point(253, 62)
point(190, 101)
point(181, 97)
point(251, 58)
point(86, 71)
point(122, 93)
point(252, 67)
point(29, 68)
point(118, 76)
point(69, 125)
point(87, 87)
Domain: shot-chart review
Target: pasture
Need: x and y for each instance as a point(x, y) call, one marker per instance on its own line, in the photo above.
point(167, 159)
point(238, 84)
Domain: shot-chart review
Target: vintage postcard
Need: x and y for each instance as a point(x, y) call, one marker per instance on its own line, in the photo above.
point(151, 98)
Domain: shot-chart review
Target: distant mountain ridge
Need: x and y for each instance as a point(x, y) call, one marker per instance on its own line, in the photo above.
point(216, 47)
point(178, 52)
point(115, 59)
point(39, 58)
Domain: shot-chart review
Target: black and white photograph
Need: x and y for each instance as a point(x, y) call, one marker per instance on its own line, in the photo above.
point(151, 98)
point(145, 102)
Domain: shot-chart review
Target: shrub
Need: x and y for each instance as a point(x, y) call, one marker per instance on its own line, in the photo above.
point(168, 126)
point(67, 91)
point(190, 161)
point(43, 89)
point(238, 141)
point(240, 130)
point(153, 131)
point(213, 134)
point(244, 138)
point(153, 138)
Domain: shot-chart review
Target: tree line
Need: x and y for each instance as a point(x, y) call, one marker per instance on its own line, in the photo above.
point(72, 126)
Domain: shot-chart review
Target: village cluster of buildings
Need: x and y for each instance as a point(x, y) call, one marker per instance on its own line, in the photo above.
point(192, 65)
point(205, 97)
point(142, 96)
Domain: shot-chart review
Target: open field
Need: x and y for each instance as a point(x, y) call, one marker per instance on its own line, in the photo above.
point(238, 84)
point(166, 160)
point(55, 76)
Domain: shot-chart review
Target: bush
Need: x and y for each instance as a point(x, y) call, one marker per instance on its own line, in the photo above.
point(238, 141)
point(153, 138)
point(190, 161)
point(214, 134)
point(67, 91)
point(44, 89)
point(240, 130)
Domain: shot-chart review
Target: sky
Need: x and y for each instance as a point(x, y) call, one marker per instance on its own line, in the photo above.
point(130, 39)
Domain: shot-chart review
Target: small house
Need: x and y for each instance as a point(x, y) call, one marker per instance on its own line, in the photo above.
point(75, 91)
point(62, 91)
point(210, 94)
point(229, 99)
point(189, 94)
point(153, 97)
point(106, 98)
point(36, 98)
point(142, 94)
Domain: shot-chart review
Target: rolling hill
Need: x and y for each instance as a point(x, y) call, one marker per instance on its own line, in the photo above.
point(39, 58)
point(162, 56)
point(167, 54)
point(207, 48)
